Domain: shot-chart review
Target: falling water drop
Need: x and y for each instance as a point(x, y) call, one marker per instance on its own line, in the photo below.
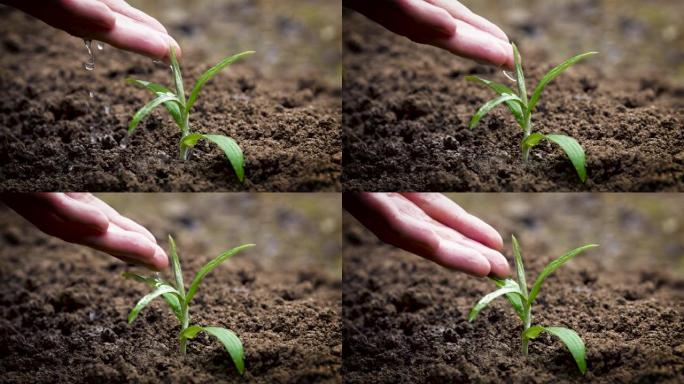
point(90, 64)
point(90, 93)
point(508, 75)
point(100, 46)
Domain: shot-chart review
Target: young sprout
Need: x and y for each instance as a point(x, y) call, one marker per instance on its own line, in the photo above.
point(179, 108)
point(522, 108)
point(178, 299)
point(517, 294)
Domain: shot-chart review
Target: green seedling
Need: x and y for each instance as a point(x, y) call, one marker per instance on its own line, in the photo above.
point(179, 300)
point(522, 108)
point(179, 108)
point(517, 294)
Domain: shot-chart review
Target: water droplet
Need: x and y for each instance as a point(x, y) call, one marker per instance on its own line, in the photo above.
point(508, 75)
point(100, 46)
point(106, 109)
point(90, 64)
point(90, 93)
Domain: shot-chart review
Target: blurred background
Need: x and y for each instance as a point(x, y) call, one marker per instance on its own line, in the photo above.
point(290, 37)
point(632, 36)
point(292, 232)
point(636, 232)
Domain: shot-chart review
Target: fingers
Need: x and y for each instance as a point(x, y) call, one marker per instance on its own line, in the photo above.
point(74, 211)
point(124, 8)
point(427, 16)
point(135, 36)
point(447, 212)
point(478, 45)
point(113, 215)
point(461, 12)
point(455, 256)
point(398, 220)
point(128, 246)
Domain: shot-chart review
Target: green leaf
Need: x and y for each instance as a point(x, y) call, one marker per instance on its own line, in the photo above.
point(229, 340)
point(552, 266)
point(158, 89)
point(533, 140)
point(147, 108)
point(148, 298)
point(209, 74)
point(512, 298)
point(170, 298)
point(208, 267)
point(519, 76)
point(520, 267)
point(509, 287)
point(533, 332)
point(233, 152)
point(488, 106)
point(552, 74)
point(574, 151)
point(176, 267)
point(190, 332)
point(229, 146)
point(514, 106)
point(191, 139)
point(569, 337)
point(177, 76)
point(232, 344)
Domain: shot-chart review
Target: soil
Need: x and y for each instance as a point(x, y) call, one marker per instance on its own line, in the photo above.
point(406, 108)
point(54, 137)
point(405, 319)
point(64, 308)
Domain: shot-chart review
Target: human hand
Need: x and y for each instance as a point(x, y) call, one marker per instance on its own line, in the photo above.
point(432, 226)
point(111, 21)
point(82, 218)
point(446, 24)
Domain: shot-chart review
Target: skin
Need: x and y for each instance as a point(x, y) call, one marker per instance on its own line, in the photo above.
point(82, 218)
point(111, 21)
point(445, 24)
point(432, 226)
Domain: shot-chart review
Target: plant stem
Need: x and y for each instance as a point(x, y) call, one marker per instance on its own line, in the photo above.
point(527, 130)
point(186, 323)
point(528, 323)
point(185, 130)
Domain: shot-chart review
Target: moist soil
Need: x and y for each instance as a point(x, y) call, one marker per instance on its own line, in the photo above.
point(405, 319)
point(406, 109)
point(64, 308)
point(55, 137)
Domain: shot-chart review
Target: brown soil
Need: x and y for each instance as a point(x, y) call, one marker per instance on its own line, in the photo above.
point(54, 137)
point(405, 319)
point(406, 108)
point(63, 307)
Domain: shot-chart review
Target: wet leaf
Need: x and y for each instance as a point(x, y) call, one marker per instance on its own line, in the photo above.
point(519, 75)
point(177, 76)
point(158, 90)
point(170, 298)
point(514, 106)
point(519, 267)
point(147, 108)
point(488, 106)
point(515, 299)
point(148, 298)
point(509, 287)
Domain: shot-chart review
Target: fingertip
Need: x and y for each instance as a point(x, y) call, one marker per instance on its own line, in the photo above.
point(160, 260)
point(499, 265)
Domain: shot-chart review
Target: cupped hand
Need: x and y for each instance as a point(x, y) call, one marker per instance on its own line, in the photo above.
point(446, 24)
point(111, 21)
point(432, 226)
point(82, 218)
